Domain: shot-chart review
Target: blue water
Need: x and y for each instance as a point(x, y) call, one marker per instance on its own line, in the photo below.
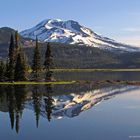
point(105, 113)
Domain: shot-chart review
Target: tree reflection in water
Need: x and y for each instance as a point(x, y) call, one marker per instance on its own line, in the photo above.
point(48, 101)
point(14, 97)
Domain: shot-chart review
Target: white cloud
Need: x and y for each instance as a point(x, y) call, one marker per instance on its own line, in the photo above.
point(131, 29)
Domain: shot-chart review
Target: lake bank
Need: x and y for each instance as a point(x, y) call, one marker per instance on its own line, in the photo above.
point(112, 82)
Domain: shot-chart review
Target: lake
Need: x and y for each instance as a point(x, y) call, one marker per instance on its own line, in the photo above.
point(70, 112)
point(90, 76)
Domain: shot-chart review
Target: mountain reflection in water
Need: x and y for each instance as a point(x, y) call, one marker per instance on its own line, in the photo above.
point(54, 101)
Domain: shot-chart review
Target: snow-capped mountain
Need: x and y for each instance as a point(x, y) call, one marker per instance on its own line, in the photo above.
point(71, 32)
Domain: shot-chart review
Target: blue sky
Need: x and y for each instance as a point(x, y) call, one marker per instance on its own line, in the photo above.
point(117, 19)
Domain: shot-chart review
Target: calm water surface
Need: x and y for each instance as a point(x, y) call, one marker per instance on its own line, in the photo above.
point(90, 76)
point(70, 112)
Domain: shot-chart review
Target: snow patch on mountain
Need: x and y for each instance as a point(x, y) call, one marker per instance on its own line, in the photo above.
point(71, 32)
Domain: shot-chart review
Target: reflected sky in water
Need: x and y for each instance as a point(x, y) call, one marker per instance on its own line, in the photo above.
point(66, 112)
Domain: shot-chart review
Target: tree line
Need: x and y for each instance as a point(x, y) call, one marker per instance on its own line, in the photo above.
point(16, 67)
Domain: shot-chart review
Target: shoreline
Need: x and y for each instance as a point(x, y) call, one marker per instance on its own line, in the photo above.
point(111, 82)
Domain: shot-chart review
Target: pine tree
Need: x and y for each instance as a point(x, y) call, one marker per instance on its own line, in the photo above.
point(16, 40)
point(17, 45)
point(7, 70)
point(2, 71)
point(36, 67)
point(48, 63)
point(11, 48)
point(20, 68)
point(16, 65)
point(24, 62)
point(11, 61)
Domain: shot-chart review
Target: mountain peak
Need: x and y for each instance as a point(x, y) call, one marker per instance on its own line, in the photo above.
point(47, 21)
point(71, 32)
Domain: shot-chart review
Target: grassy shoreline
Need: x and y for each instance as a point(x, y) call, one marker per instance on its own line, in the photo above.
point(114, 82)
point(37, 83)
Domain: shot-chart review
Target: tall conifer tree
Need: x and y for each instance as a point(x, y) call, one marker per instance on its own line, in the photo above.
point(11, 61)
point(2, 71)
point(20, 68)
point(16, 40)
point(48, 63)
point(36, 67)
point(20, 63)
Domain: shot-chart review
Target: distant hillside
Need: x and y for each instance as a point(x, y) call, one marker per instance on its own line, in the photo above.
point(74, 56)
point(71, 56)
point(5, 34)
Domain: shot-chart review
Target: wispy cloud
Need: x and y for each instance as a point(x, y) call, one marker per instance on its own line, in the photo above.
point(130, 29)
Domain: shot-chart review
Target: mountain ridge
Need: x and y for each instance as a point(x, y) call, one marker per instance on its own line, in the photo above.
point(71, 32)
point(73, 55)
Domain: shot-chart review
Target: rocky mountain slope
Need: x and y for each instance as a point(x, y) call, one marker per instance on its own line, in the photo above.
point(71, 32)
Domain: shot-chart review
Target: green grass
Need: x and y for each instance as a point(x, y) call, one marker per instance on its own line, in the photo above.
point(37, 83)
point(114, 82)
